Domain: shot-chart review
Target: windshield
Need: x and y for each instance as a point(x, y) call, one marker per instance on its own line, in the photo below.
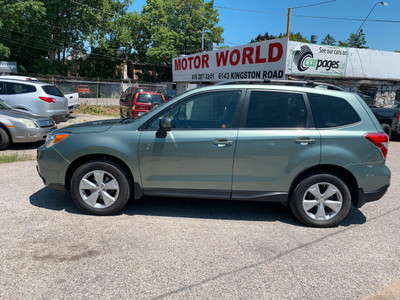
point(149, 98)
point(4, 106)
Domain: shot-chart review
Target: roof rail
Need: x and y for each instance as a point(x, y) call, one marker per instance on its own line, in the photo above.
point(308, 83)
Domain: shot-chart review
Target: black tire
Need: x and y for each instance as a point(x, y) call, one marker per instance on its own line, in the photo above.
point(111, 171)
point(317, 182)
point(4, 139)
point(154, 105)
point(386, 128)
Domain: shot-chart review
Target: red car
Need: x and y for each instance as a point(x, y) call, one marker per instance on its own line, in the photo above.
point(136, 104)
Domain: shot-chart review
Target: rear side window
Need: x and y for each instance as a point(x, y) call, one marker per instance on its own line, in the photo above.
point(52, 90)
point(12, 88)
point(269, 109)
point(149, 98)
point(332, 111)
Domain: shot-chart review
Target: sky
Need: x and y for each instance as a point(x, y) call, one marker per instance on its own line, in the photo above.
point(243, 20)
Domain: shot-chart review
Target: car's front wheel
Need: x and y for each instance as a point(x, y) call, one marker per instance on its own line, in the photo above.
point(100, 187)
point(321, 200)
point(4, 139)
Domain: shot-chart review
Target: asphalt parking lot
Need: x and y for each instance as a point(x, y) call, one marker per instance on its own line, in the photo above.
point(159, 248)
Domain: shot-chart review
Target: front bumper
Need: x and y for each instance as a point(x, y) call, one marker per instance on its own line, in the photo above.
point(52, 167)
point(25, 135)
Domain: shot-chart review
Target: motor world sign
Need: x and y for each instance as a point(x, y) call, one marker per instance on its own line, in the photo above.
point(314, 59)
point(258, 61)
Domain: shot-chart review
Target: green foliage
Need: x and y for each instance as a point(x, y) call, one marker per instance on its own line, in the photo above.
point(265, 37)
point(329, 40)
point(101, 35)
point(356, 40)
point(297, 37)
point(175, 27)
point(10, 158)
point(97, 110)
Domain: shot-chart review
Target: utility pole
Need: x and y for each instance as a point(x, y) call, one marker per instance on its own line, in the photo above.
point(289, 17)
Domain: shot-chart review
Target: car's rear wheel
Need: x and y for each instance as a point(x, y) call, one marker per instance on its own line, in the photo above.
point(100, 187)
point(321, 200)
point(4, 139)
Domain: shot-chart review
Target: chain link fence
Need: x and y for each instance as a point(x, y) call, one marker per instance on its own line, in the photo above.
point(102, 92)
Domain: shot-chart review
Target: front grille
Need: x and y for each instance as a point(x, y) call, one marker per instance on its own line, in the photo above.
point(45, 123)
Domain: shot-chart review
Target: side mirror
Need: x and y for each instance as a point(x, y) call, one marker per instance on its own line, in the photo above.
point(165, 125)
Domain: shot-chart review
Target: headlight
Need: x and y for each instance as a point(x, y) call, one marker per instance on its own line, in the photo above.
point(54, 138)
point(28, 123)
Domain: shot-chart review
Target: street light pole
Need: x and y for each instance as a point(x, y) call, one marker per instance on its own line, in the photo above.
point(383, 3)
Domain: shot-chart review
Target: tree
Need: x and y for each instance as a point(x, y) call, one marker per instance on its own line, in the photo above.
point(329, 40)
point(356, 40)
point(41, 33)
point(176, 27)
point(265, 37)
point(297, 37)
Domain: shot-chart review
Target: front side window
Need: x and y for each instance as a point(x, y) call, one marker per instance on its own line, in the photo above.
point(214, 110)
point(269, 109)
point(18, 88)
point(332, 111)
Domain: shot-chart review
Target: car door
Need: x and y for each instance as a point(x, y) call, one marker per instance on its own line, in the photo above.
point(196, 156)
point(277, 139)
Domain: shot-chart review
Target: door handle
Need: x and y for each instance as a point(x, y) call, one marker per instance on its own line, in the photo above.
point(222, 143)
point(305, 141)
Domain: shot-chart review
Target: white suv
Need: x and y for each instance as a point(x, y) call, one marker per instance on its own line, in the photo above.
point(31, 95)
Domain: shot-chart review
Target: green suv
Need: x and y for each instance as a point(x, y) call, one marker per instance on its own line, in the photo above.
point(309, 145)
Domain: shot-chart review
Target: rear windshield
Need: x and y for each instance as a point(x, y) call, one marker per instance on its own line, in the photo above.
point(149, 98)
point(52, 90)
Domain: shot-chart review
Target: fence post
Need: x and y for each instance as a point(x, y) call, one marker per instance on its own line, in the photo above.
point(97, 94)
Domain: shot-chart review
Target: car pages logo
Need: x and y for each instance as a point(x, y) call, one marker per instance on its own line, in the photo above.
point(304, 59)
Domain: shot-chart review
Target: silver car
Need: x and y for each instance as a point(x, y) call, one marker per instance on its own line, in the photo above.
point(22, 127)
point(37, 97)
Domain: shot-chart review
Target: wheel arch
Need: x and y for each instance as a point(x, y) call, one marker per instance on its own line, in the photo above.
point(2, 126)
point(137, 190)
point(340, 172)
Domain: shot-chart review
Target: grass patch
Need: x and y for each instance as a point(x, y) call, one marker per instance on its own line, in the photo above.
point(4, 159)
point(98, 110)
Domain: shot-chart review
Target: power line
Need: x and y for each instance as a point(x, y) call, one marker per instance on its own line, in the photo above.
point(315, 4)
point(304, 16)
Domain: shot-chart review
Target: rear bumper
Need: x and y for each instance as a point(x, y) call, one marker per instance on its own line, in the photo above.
point(73, 107)
point(364, 197)
point(60, 118)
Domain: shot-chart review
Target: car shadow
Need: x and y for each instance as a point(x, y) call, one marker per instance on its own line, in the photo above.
point(191, 208)
point(25, 146)
point(54, 200)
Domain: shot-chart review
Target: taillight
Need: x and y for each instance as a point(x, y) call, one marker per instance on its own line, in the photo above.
point(48, 99)
point(380, 140)
point(163, 98)
point(134, 101)
point(398, 118)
